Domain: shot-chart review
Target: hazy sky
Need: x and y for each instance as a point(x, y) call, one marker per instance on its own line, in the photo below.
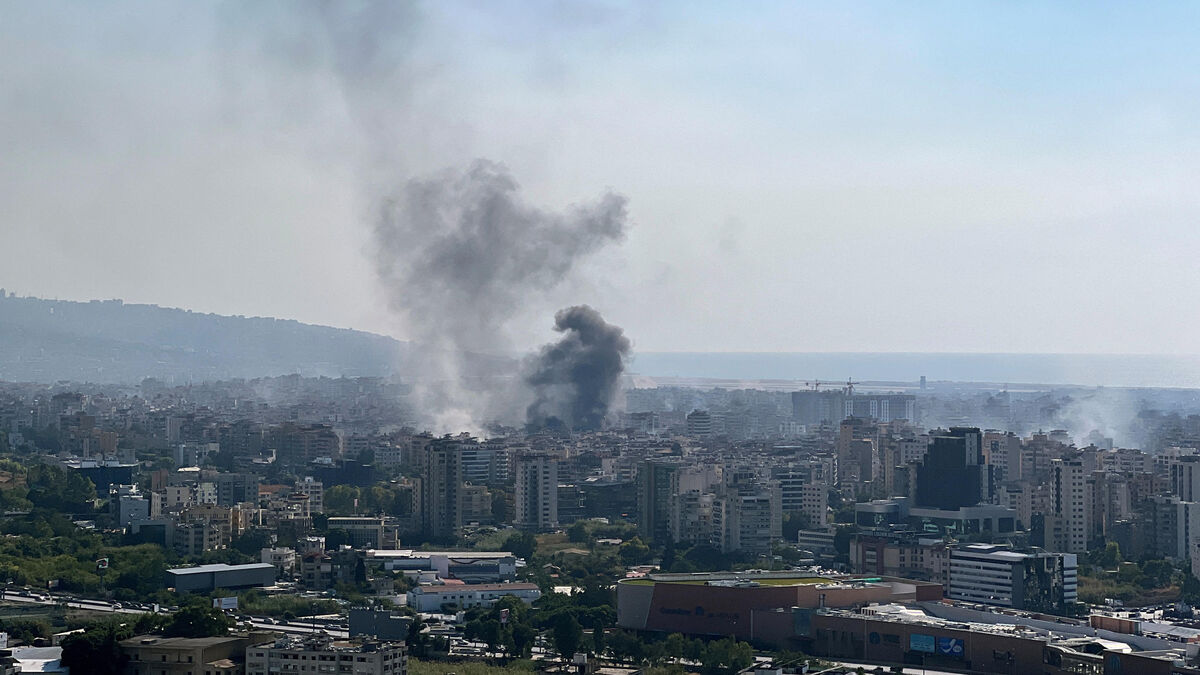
point(801, 176)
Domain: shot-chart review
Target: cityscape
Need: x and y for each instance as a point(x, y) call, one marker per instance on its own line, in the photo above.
point(390, 337)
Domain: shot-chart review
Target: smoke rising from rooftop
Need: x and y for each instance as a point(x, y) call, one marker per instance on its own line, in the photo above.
point(462, 256)
point(576, 379)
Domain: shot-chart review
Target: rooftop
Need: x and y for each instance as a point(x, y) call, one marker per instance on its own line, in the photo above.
point(458, 588)
point(220, 567)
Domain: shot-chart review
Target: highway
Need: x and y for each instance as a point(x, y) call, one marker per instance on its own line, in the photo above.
point(260, 622)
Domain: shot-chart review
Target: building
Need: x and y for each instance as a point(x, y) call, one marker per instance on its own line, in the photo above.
point(747, 521)
point(483, 463)
point(133, 505)
point(732, 603)
point(367, 532)
point(102, 473)
point(832, 406)
point(315, 491)
point(236, 488)
point(321, 654)
point(157, 655)
point(901, 554)
point(466, 596)
point(657, 485)
point(1068, 522)
point(441, 482)
point(535, 478)
point(699, 424)
point(472, 567)
point(1034, 580)
point(804, 493)
point(282, 559)
point(954, 473)
point(380, 624)
point(692, 517)
point(205, 578)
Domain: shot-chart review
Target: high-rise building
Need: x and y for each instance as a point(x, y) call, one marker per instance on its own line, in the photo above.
point(747, 519)
point(1185, 477)
point(656, 487)
point(699, 424)
point(832, 406)
point(441, 485)
point(1067, 523)
point(954, 474)
point(536, 491)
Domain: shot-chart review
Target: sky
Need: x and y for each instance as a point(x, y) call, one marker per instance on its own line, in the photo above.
point(913, 177)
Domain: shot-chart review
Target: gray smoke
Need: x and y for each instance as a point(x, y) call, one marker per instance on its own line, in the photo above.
point(575, 379)
point(462, 257)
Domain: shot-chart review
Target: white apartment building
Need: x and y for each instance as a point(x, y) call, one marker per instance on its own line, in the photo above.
point(316, 494)
point(1068, 521)
point(536, 494)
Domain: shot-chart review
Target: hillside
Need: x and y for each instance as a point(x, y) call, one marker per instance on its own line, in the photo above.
point(111, 341)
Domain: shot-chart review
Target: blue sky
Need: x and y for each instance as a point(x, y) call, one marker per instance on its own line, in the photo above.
point(1002, 177)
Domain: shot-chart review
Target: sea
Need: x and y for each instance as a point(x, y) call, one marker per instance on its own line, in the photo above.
point(1110, 370)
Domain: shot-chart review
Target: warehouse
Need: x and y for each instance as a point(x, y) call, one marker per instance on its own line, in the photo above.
point(205, 578)
point(730, 603)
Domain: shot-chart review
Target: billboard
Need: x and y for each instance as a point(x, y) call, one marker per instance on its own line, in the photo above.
point(921, 643)
point(952, 647)
point(225, 603)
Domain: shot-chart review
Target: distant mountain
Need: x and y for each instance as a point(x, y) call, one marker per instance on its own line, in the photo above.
point(111, 341)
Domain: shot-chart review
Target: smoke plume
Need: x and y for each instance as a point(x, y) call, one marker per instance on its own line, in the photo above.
point(462, 256)
point(575, 379)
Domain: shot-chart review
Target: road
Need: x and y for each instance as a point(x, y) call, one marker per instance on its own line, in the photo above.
point(260, 622)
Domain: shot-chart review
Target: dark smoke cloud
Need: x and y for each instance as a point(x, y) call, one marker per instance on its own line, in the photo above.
point(575, 379)
point(462, 257)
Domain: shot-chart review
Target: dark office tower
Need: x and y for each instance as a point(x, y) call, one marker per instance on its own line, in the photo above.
point(441, 488)
point(954, 474)
point(657, 483)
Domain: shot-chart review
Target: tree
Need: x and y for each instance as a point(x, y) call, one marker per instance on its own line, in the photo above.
point(1110, 556)
point(634, 552)
point(96, 650)
point(567, 635)
point(198, 619)
point(598, 642)
point(522, 544)
point(726, 656)
point(339, 500)
point(669, 555)
point(578, 532)
point(1157, 573)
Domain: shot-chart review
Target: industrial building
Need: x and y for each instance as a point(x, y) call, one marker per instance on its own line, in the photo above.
point(464, 596)
point(205, 578)
point(731, 603)
point(472, 567)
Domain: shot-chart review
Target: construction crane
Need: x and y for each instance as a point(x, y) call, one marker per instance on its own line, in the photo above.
point(814, 385)
point(850, 386)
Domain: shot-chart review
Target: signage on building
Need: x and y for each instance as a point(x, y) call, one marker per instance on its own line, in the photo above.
point(950, 647)
point(922, 643)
